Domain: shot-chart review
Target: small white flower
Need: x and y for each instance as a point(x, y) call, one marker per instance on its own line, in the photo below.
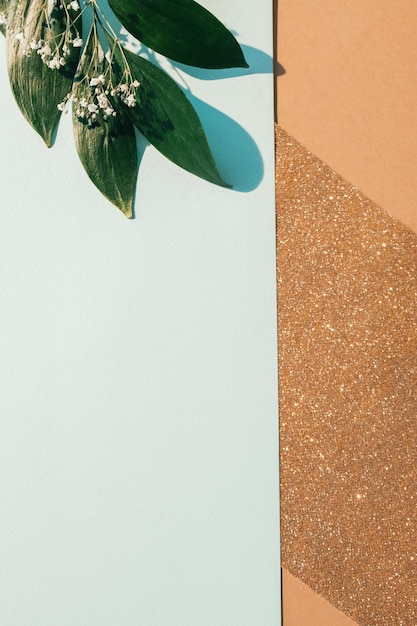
point(102, 101)
point(97, 81)
point(53, 63)
point(73, 5)
point(93, 108)
point(77, 43)
point(131, 100)
point(45, 50)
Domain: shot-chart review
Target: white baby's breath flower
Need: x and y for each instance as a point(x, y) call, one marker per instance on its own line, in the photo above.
point(131, 100)
point(54, 63)
point(97, 81)
point(45, 50)
point(102, 100)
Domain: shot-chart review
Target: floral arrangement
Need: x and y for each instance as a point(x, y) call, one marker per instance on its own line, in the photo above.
point(55, 67)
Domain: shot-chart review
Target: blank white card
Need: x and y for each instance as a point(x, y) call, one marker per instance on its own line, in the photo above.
point(138, 382)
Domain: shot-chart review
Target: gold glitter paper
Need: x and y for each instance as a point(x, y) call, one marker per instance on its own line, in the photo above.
point(347, 302)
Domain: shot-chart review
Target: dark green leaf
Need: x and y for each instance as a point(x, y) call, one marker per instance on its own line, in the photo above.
point(37, 88)
point(167, 119)
point(181, 30)
point(108, 154)
point(106, 147)
point(4, 10)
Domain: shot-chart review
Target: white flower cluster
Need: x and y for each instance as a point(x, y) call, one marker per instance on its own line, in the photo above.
point(96, 96)
point(126, 92)
point(3, 19)
point(54, 57)
point(98, 99)
point(54, 48)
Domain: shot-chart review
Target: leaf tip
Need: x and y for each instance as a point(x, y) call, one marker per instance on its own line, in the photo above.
point(240, 59)
point(126, 209)
point(46, 135)
point(219, 182)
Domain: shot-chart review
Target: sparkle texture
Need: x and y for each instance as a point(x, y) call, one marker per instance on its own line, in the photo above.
point(347, 308)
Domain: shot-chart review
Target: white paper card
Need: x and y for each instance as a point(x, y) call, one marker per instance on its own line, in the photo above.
point(138, 382)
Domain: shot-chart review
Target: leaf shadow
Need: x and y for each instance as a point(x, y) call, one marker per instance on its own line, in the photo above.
point(141, 145)
point(244, 170)
point(259, 63)
point(236, 153)
point(55, 133)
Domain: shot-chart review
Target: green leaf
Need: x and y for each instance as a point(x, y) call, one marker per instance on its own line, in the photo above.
point(37, 88)
point(181, 30)
point(108, 154)
point(4, 10)
point(167, 119)
point(106, 147)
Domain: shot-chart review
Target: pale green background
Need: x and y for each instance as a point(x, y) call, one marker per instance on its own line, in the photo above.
point(138, 383)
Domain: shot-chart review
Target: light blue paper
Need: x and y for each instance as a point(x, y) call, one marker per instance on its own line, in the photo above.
point(138, 382)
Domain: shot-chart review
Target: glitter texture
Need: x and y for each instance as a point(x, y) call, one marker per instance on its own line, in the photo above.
point(347, 301)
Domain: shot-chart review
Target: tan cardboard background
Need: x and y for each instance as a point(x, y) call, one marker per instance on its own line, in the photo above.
point(302, 607)
point(349, 92)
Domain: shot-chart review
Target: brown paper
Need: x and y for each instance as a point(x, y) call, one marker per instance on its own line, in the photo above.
point(349, 92)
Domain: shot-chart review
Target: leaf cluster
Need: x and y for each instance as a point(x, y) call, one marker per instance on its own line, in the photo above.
point(53, 67)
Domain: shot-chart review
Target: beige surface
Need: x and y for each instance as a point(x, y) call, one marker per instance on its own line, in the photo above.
point(303, 607)
point(349, 92)
point(347, 276)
